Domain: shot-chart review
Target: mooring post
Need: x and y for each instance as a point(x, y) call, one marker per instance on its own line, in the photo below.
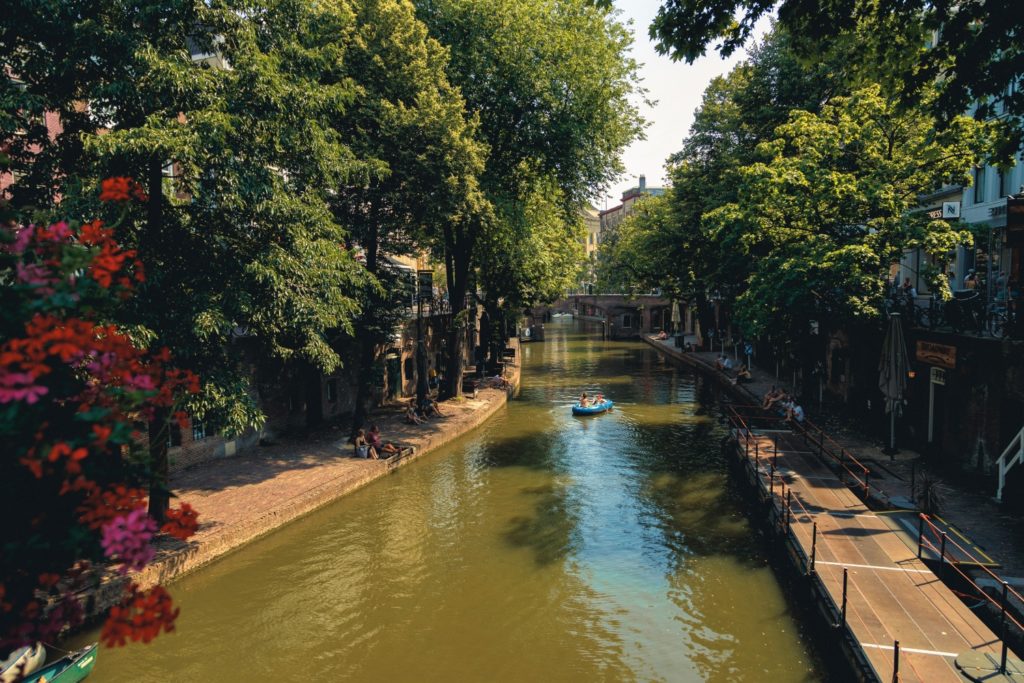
point(1002, 629)
point(920, 533)
point(843, 611)
point(814, 545)
point(895, 661)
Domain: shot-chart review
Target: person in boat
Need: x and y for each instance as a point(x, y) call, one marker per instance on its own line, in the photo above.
point(411, 417)
point(584, 401)
point(378, 443)
point(599, 399)
point(363, 447)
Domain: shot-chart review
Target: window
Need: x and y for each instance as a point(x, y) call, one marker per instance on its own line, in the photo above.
point(198, 430)
point(1005, 182)
point(627, 321)
point(979, 184)
point(332, 391)
point(173, 435)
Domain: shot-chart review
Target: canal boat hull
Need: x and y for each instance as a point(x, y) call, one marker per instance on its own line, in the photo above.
point(71, 668)
point(602, 407)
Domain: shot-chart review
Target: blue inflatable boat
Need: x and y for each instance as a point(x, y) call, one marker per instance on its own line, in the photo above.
point(602, 407)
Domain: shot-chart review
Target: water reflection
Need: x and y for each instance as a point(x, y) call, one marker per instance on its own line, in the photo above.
point(541, 547)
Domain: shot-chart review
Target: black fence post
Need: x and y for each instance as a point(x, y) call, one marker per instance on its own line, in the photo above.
point(920, 533)
point(842, 621)
point(1002, 630)
point(895, 661)
point(789, 509)
point(867, 487)
point(775, 450)
point(814, 545)
point(942, 556)
point(771, 483)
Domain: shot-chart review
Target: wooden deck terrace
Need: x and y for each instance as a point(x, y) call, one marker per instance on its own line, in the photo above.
point(898, 620)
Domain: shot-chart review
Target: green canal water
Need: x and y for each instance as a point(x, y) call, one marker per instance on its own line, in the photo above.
point(541, 547)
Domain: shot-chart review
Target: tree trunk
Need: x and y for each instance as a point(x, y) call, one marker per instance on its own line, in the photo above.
point(458, 252)
point(367, 346)
point(159, 493)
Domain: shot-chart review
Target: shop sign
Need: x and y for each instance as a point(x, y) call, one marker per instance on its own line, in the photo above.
point(951, 209)
point(935, 213)
point(938, 376)
point(936, 354)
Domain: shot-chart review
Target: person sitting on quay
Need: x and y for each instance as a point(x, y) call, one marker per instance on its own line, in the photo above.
point(662, 336)
point(411, 417)
point(773, 396)
point(743, 375)
point(723, 363)
point(432, 408)
point(378, 444)
point(363, 447)
point(795, 413)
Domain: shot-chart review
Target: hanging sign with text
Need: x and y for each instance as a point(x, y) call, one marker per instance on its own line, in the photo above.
point(936, 354)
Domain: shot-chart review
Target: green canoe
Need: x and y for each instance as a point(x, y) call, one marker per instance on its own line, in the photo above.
point(71, 668)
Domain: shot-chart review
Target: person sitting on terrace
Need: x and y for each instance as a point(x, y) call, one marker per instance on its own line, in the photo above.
point(743, 375)
point(363, 447)
point(772, 397)
point(411, 417)
point(378, 444)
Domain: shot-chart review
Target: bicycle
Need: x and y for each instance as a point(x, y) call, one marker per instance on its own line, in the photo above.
point(998, 319)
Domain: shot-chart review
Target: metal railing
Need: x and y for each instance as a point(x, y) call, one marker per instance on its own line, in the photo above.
point(1013, 455)
point(931, 537)
point(851, 471)
point(797, 526)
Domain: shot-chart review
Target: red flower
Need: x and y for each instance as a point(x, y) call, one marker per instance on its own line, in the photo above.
point(102, 506)
point(181, 523)
point(121, 189)
point(141, 616)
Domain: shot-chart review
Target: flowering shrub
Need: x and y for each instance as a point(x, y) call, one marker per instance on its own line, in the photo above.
point(74, 387)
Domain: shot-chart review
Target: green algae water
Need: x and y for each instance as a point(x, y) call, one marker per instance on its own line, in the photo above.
point(540, 547)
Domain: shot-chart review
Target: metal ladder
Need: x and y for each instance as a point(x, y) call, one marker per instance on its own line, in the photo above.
point(1013, 455)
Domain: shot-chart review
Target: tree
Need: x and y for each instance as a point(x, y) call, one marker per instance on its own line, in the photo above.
point(832, 205)
point(551, 84)
point(977, 59)
point(411, 121)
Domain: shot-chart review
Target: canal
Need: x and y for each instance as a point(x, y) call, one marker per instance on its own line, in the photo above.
point(541, 547)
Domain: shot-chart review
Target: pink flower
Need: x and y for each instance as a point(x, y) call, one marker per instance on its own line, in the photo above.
point(18, 386)
point(35, 274)
point(126, 539)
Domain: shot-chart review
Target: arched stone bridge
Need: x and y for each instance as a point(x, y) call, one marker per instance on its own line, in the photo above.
point(624, 315)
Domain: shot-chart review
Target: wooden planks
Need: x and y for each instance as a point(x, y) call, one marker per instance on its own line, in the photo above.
point(891, 594)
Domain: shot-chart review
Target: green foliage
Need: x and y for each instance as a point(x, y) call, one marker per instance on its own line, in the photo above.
point(977, 59)
point(831, 206)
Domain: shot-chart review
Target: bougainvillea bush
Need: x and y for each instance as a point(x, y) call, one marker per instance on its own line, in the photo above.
point(75, 395)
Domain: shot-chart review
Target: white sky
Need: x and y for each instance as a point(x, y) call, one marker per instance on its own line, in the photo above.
point(676, 87)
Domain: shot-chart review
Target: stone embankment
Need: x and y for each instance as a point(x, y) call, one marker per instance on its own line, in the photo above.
point(247, 496)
